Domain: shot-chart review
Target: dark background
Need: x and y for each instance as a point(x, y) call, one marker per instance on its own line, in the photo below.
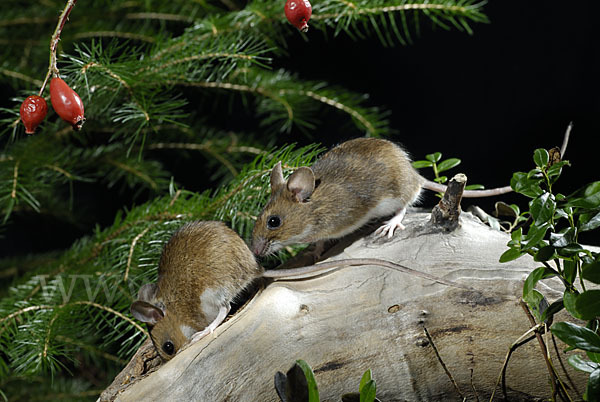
point(489, 99)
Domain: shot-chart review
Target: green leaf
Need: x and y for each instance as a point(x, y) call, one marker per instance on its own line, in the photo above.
point(517, 235)
point(533, 278)
point(570, 300)
point(441, 179)
point(313, 391)
point(570, 250)
point(422, 164)
point(448, 164)
point(367, 393)
point(366, 377)
point(474, 187)
point(541, 157)
point(542, 208)
point(569, 270)
point(590, 224)
point(563, 238)
point(545, 253)
point(535, 234)
point(595, 357)
point(582, 365)
point(592, 391)
point(587, 197)
point(576, 336)
point(528, 186)
point(554, 308)
point(511, 254)
point(555, 170)
point(537, 303)
point(591, 272)
point(534, 174)
point(434, 157)
point(588, 304)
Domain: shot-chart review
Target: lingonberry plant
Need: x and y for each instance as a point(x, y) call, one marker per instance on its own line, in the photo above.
point(550, 234)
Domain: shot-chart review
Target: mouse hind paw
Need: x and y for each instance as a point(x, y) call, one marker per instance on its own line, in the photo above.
point(390, 226)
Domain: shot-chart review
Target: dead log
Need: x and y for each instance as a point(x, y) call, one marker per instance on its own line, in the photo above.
point(356, 318)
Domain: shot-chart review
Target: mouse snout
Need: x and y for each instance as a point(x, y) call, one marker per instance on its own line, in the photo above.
point(259, 246)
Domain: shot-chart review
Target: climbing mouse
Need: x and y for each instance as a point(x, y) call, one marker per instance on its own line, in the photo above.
point(202, 269)
point(358, 180)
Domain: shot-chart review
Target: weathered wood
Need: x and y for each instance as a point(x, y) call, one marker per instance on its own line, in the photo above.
point(357, 318)
point(447, 212)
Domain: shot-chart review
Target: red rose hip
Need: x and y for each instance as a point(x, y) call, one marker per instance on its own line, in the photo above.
point(33, 111)
point(66, 103)
point(298, 13)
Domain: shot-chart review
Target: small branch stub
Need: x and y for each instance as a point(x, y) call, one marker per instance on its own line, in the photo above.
point(447, 211)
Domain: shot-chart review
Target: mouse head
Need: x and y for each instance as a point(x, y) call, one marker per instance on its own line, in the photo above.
point(287, 217)
point(165, 327)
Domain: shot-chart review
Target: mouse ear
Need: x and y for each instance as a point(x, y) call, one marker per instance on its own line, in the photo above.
point(146, 312)
point(302, 183)
point(277, 175)
point(147, 292)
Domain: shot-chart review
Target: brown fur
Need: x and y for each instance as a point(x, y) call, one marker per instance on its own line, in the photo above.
point(200, 256)
point(351, 180)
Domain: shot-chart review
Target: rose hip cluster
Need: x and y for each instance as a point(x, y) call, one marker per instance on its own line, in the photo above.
point(66, 103)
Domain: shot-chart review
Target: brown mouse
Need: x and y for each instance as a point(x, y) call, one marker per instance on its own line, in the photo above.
point(356, 181)
point(202, 269)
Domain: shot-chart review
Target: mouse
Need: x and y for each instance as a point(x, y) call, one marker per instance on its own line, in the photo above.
point(357, 181)
point(203, 268)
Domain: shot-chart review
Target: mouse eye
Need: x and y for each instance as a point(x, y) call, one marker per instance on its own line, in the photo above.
point(168, 347)
point(273, 222)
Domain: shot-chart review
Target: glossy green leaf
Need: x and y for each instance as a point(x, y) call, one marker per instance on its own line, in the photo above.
point(510, 254)
point(570, 250)
point(592, 391)
point(588, 304)
point(595, 357)
point(534, 236)
point(366, 377)
point(434, 157)
point(532, 279)
point(313, 391)
point(541, 157)
point(569, 301)
point(367, 393)
point(588, 197)
point(422, 164)
point(576, 336)
point(569, 270)
point(554, 308)
point(517, 235)
point(561, 213)
point(441, 179)
point(448, 164)
point(591, 271)
point(537, 303)
point(542, 208)
point(582, 365)
point(475, 187)
point(527, 186)
point(556, 169)
point(545, 253)
point(591, 223)
point(562, 239)
point(534, 174)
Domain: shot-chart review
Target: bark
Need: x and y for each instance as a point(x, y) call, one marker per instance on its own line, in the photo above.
point(357, 318)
